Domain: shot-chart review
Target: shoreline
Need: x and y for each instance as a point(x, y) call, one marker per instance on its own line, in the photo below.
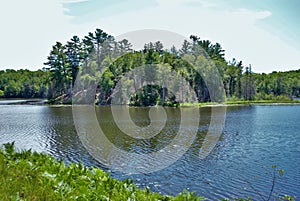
point(251, 104)
point(37, 176)
point(45, 102)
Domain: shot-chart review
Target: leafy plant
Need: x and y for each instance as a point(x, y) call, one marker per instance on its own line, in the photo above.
point(30, 175)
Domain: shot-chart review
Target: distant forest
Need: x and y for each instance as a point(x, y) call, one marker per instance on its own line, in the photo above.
point(56, 81)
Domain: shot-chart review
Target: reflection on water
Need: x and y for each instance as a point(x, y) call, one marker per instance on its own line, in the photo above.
point(113, 144)
point(254, 139)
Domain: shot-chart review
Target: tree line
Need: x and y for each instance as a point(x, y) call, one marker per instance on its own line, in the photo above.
point(24, 83)
point(97, 51)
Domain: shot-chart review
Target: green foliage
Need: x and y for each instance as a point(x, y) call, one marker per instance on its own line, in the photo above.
point(29, 175)
point(286, 198)
point(1, 94)
point(24, 84)
point(278, 85)
point(66, 60)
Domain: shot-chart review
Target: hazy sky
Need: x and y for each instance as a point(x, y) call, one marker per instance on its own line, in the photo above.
point(264, 33)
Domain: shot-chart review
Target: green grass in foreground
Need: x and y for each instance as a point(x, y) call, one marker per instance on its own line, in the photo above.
point(30, 175)
point(33, 176)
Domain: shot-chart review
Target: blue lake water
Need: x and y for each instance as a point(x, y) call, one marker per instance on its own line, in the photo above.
point(254, 139)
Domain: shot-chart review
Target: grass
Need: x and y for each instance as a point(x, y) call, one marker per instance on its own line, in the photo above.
point(29, 175)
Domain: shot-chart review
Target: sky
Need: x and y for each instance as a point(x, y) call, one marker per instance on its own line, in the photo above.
point(264, 33)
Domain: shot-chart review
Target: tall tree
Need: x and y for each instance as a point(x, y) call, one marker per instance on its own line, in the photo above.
point(95, 41)
point(75, 55)
point(57, 61)
point(185, 49)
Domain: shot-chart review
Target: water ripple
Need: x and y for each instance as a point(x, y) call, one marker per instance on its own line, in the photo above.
point(254, 139)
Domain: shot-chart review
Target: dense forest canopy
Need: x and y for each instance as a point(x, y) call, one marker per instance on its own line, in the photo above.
point(65, 61)
point(24, 83)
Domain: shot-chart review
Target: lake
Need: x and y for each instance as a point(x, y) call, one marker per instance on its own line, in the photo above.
point(254, 139)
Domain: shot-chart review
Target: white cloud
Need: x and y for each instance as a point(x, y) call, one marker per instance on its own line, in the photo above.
point(201, 3)
point(30, 28)
point(167, 4)
point(73, 1)
point(236, 31)
point(263, 14)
